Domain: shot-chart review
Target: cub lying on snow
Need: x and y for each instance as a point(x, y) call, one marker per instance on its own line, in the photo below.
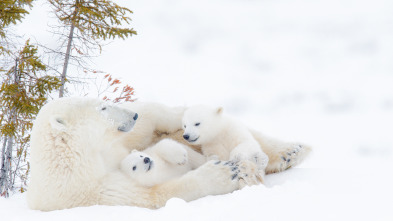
point(161, 162)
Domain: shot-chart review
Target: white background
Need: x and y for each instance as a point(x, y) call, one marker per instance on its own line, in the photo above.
point(319, 72)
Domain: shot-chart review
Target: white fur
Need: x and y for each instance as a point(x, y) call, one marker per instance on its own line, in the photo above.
point(163, 161)
point(157, 121)
point(221, 136)
point(226, 139)
point(153, 117)
point(64, 133)
point(76, 143)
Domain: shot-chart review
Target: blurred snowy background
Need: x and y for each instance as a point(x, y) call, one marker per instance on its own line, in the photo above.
point(315, 71)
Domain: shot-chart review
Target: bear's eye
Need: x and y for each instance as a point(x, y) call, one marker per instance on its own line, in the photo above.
point(141, 156)
point(197, 124)
point(134, 168)
point(104, 108)
point(185, 126)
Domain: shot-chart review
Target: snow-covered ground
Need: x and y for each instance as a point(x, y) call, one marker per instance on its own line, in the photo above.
point(320, 72)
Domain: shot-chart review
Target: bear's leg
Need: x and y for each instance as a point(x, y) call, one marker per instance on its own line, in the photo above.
point(166, 119)
point(212, 178)
point(169, 119)
point(154, 121)
point(171, 151)
point(195, 159)
point(176, 153)
point(251, 151)
point(282, 155)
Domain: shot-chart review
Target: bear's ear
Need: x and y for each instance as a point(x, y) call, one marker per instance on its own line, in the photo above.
point(219, 110)
point(57, 123)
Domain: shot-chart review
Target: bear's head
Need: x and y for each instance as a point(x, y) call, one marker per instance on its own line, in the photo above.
point(201, 124)
point(81, 122)
point(136, 163)
point(68, 142)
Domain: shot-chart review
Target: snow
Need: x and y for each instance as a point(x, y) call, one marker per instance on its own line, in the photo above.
point(318, 71)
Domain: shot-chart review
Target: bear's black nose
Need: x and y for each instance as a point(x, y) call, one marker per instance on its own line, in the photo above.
point(146, 160)
point(135, 116)
point(186, 136)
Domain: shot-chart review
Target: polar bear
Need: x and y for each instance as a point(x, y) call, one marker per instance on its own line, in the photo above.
point(222, 137)
point(227, 139)
point(73, 142)
point(158, 121)
point(161, 162)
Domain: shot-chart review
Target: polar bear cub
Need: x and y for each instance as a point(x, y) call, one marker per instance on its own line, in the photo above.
point(161, 162)
point(221, 136)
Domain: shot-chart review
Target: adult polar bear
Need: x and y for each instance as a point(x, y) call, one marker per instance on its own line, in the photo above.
point(76, 150)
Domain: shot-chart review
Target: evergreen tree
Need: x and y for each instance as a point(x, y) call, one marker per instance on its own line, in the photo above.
point(24, 90)
point(25, 84)
point(91, 21)
point(11, 12)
